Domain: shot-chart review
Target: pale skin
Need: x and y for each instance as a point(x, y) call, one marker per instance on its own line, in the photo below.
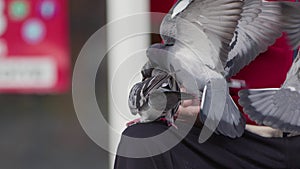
point(189, 110)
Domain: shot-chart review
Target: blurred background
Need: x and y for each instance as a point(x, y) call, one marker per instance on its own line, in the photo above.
point(39, 43)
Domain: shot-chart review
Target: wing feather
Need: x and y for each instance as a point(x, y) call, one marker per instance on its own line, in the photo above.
point(209, 25)
point(278, 108)
point(291, 20)
point(258, 28)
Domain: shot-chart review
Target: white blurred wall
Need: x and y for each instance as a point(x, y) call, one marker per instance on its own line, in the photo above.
point(127, 41)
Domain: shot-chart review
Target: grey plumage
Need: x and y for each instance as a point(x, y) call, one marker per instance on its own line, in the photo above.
point(208, 41)
point(278, 108)
point(211, 40)
point(261, 24)
point(291, 22)
point(204, 30)
point(157, 96)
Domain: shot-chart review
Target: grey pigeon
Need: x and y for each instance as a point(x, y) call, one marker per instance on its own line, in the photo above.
point(157, 96)
point(278, 108)
point(204, 30)
point(208, 41)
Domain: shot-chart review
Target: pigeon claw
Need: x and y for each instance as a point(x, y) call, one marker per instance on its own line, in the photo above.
point(169, 123)
point(133, 122)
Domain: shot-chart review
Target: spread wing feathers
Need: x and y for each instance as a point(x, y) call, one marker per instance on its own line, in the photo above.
point(209, 25)
point(291, 20)
point(224, 116)
point(258, 28)
point(278, 108)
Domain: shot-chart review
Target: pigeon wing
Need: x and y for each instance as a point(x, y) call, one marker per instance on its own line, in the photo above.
point(291, 22)
point(278, 108)
point(261, 24)
point(258, 28)
point(207, 27)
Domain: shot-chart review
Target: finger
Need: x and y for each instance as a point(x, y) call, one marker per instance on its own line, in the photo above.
point(187, 103)
point(194, 102)
point(191, 111)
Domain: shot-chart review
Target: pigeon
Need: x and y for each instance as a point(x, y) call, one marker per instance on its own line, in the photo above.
point(208, 41)
point(276, 107)
point(157, 97)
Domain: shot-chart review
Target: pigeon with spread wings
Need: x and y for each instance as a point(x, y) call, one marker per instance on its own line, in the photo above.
point(211, 40)
point(197, 40)
point(279, 108)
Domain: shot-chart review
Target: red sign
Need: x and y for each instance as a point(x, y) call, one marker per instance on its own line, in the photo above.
point(34, 47)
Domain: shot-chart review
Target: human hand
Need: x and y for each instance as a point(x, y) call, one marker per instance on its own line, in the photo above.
point(189, 110)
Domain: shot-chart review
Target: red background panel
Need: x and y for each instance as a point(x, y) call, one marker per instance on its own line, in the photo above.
point(53, 45)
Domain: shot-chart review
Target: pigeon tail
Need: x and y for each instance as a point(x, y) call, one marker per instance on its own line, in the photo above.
point(233, 122)
point(219, 112)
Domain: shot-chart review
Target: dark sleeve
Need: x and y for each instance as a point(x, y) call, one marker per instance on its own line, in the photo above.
point(156, 162)
point(250, 151)
point(162, 161)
